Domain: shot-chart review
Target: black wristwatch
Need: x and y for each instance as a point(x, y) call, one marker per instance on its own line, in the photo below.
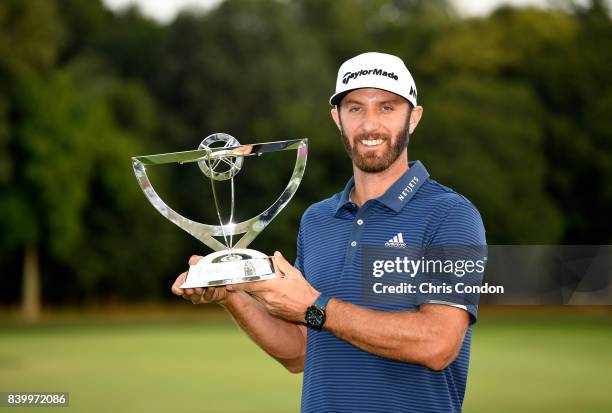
point(315, 314)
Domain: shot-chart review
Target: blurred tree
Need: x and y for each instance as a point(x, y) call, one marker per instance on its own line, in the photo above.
point(86, 22)
point(564, 60)
point(36, 29)
point(488, 139)
point(68, 192)
point(574, 82)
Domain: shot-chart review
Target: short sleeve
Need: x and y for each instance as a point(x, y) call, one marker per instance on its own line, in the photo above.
point(461, 235)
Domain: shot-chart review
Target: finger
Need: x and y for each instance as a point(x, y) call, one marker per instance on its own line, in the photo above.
point(198, 291)
point(283, 265)
point(194, 259)
point(209, 293)
point(196, 299)
point(176, 287)
point(238, 287)
point(188, 291)
point(276, 269)
point(217, 294)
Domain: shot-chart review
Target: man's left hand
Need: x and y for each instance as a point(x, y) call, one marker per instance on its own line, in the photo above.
point(287, 296)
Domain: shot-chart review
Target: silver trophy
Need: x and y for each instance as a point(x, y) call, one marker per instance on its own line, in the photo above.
point(220, 157)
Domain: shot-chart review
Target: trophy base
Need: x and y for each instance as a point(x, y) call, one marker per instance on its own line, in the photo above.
point(239, 265)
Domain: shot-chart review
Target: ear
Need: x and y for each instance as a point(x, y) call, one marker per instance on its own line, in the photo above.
point(415, 117)
point(336, 117)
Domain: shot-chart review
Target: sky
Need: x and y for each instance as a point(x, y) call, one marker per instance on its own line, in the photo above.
point(165, 10)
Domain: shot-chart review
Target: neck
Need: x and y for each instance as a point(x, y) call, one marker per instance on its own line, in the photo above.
point(372, 185)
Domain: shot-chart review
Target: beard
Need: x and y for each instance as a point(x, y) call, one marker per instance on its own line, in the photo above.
point(371, 162)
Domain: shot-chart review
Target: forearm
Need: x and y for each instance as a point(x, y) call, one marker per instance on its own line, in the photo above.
point(283, 340)
point(418, 337)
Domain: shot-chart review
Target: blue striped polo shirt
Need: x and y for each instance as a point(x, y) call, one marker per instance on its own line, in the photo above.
point(415, 210)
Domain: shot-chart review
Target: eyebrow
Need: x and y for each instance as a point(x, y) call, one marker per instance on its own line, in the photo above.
point(349, 101)
point(394, 101)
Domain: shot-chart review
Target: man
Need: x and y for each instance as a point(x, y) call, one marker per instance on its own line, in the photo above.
point(356, 357)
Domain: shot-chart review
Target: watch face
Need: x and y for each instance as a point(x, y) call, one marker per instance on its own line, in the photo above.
point(315, 317)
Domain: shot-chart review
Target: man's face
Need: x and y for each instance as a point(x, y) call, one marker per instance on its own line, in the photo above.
point(374, 124)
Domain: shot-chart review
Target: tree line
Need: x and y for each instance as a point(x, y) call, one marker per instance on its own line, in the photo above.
point(517, 118)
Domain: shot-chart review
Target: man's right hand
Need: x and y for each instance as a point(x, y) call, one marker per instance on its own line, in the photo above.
point(199, 295)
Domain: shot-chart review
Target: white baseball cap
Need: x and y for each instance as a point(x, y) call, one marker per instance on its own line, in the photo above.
point(376, 70)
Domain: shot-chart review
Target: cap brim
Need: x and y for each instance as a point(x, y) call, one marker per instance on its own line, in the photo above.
point(337, 98)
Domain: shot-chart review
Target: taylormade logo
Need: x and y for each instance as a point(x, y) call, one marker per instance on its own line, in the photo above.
point(377, 72)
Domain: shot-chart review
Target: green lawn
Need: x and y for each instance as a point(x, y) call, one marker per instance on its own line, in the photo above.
point(541, 365)
point(518, 365)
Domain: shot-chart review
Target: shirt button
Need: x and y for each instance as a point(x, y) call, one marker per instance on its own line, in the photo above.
point(354, 243)
point(360, 221)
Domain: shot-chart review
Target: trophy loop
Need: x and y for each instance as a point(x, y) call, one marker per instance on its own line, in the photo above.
point(233, 165)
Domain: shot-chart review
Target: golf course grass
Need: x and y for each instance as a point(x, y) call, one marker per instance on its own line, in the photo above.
point(519, 364)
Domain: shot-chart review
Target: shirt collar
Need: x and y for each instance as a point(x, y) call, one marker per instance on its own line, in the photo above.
point(399, 193)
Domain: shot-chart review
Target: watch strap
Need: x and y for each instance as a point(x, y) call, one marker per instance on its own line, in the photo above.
point(321, 301)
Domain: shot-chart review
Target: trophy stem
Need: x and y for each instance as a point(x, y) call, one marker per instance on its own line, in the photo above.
point(229, 244)
point(231, 220)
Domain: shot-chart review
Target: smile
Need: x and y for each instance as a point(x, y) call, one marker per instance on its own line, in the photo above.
point(371, 142)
